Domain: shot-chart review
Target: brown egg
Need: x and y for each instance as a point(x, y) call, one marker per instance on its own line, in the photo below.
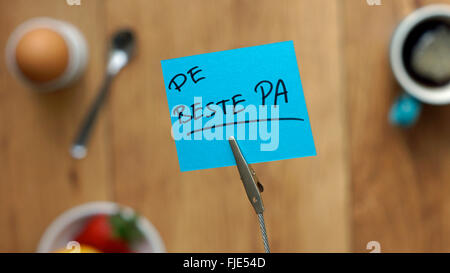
point(42, 55)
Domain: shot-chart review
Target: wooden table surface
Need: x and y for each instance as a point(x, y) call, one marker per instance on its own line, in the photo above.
point(370, 181)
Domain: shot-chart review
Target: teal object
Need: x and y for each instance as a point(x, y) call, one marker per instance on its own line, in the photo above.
point(405, 111)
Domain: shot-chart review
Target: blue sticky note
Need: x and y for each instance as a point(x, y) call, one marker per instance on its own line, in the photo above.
point(254, 94)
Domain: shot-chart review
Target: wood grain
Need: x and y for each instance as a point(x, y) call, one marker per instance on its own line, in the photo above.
point(306, 199)
point(400, 178)
point(370, 181)
point(38, 178)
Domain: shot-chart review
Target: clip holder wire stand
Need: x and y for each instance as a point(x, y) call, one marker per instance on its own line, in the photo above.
point(262, 226)
point(253, 188)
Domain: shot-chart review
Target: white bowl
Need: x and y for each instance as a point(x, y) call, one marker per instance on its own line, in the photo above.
point(64, 229)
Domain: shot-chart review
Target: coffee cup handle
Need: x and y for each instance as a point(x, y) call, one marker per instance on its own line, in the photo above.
point(405, 111)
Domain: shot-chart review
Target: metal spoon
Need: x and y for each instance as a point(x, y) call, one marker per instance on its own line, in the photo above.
point(122, 49)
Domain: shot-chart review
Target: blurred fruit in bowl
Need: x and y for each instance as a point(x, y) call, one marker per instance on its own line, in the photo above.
point(111, 233)
point(79, 249)
point(101, 227)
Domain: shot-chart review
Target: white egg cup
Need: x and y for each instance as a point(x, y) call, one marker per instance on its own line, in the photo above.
point(76, 44)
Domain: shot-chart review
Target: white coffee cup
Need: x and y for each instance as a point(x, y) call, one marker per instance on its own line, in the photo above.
point(76, 45)
point(406, 109)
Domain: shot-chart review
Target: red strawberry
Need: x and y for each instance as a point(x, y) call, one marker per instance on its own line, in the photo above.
point(110, 233)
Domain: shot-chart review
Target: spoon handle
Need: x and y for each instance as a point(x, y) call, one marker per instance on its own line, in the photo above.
point(79, 149)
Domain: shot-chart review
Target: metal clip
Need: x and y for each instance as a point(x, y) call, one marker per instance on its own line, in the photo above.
point(252, 186)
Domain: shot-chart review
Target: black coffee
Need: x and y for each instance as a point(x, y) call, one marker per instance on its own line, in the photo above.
point(426, 52)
